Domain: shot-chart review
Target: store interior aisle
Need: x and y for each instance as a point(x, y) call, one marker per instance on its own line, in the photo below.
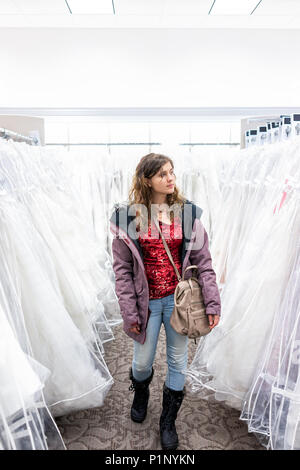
point(200, 424)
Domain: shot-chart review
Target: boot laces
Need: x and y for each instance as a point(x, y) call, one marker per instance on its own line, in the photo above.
point(140, 387)
point(134, 385)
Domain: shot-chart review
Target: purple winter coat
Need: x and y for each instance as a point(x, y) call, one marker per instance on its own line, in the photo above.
point(131, 281)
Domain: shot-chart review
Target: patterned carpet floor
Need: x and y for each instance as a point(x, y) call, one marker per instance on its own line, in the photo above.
point(200, 424)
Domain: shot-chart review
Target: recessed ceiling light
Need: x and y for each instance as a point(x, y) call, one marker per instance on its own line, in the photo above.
point(233, 7)
point(91, 7)
point(278, 7)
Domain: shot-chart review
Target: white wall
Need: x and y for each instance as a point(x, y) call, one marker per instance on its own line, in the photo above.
point(135, 68)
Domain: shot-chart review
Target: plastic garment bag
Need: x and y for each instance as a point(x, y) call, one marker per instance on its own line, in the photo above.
point(253, 251)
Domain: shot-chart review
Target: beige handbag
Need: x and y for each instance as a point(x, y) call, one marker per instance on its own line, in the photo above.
point(188, 317)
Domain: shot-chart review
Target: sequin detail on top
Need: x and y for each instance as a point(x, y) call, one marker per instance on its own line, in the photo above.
point(161, 276)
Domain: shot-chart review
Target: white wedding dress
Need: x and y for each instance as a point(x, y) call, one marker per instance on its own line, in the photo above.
point(272, 404)
point(203, 179)
point(78, 378)
point(252, 251)
point(60, 334)
point(25, 420)
point(70, 227)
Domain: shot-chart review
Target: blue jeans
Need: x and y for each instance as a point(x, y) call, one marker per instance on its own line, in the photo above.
point(177, 345)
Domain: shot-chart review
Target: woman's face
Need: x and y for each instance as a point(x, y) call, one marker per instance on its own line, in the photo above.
point(164, 180)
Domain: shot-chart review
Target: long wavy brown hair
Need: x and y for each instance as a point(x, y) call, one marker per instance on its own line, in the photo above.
point(140, 192)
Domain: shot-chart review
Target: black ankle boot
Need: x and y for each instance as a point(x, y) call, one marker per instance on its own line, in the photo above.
point(172, 400)
point(140, 401)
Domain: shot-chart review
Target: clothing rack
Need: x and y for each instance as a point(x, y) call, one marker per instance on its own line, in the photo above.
point(211, 143)
point(111, 143)
point(264, 119)
point(7, 134)
point(146, 143)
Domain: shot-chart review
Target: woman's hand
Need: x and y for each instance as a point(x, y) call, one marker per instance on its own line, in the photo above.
point(135, 329)
point(213, 320)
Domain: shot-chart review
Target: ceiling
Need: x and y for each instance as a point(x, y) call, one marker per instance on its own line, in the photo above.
point(283, 14)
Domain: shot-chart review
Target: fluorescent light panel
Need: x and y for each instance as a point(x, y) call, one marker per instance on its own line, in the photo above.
point(32, 7)
point(139, 7)
point(233, 7)
point(187, 7)
point(91, 7)
point(278, 8)
point(162, 7)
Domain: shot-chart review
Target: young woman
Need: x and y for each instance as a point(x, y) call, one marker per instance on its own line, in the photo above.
point(146, 281)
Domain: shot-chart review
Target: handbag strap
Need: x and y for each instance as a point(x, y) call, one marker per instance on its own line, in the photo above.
point(167, 250)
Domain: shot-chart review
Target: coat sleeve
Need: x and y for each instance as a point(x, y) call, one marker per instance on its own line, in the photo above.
point(200, 255)
point(123, 269)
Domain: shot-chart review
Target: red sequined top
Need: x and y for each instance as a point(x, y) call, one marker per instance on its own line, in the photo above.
point(160, 273)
